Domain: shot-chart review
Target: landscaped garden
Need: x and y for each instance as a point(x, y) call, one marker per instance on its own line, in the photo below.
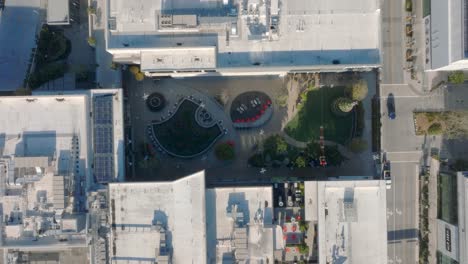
point(315, 110)
point(452, 124)
point(275, 153)
point(181, 135)
point(52, 48)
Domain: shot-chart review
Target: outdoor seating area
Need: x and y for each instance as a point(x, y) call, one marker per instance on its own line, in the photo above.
point(251, 109)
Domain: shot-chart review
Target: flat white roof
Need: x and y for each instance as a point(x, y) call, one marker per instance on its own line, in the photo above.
point(58, 12)
point(309, 33)
point(346, 210)
point(45, 123)
point(252, 202)
point(44, 126)
point(179, 58)
point(178, 205)
point(18, 24)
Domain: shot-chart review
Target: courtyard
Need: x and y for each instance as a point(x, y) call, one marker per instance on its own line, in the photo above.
point(245, 113)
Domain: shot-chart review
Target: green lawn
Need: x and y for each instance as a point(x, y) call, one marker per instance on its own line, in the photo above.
point(316, 111)
point(447, 210)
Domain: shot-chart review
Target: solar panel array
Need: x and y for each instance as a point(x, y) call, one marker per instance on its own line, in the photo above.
point(103, 138)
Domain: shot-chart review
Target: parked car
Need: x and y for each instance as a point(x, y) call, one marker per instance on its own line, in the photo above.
point(387, 176)
point(391, 106)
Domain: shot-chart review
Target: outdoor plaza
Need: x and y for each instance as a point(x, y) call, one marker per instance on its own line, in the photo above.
point(256, 126)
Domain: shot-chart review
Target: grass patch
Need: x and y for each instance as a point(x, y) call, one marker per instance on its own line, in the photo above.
point(182, 135)
point(447, 198)
point(314, 111)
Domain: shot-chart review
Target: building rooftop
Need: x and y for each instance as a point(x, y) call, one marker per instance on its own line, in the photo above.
point(239, 225)
point(249, 33)
point(159, 220)
point(54, 124)
point(345, 211)
point(58, 12)
point(19, 22)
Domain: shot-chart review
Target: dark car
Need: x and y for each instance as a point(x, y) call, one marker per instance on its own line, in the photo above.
point(391, 106)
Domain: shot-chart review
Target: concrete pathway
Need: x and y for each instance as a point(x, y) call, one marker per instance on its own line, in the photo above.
point(434, 172)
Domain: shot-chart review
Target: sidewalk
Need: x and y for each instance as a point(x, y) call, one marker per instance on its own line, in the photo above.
point(435, 165)
point(105, 76)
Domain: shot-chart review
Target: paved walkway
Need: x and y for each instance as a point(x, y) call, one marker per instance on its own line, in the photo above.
point(105, 76)
point(300, 144)
point(434, 172)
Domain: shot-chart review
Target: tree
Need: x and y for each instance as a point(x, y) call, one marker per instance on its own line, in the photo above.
point(134, 69)
point(225, 151)
point(342, 106)
point(456, 77)
point(435, 129)
point(358, 91)
point(139, 76)
point(281, 146)
point(92, 41)
point(275, 146)
point(300, 162)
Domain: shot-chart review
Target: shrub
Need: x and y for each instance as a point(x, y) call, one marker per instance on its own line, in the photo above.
point(225, 151)
point(431, 116)
point(92, 41)
point(282, 100)
point(275, 146)
point(300, 162)
point(303, 248)
point(456, 77)
point(303, 226)
point(435, 129)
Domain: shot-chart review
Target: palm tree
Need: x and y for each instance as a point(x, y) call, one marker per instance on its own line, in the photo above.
point(343, 105)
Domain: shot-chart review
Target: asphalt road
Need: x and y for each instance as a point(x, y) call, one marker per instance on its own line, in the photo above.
point(405, 151)
point(402, 214)
point(392, 42)
point(398, 140)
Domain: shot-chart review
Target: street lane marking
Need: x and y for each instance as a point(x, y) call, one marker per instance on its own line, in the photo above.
point(409, 151)
point(404, 161)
